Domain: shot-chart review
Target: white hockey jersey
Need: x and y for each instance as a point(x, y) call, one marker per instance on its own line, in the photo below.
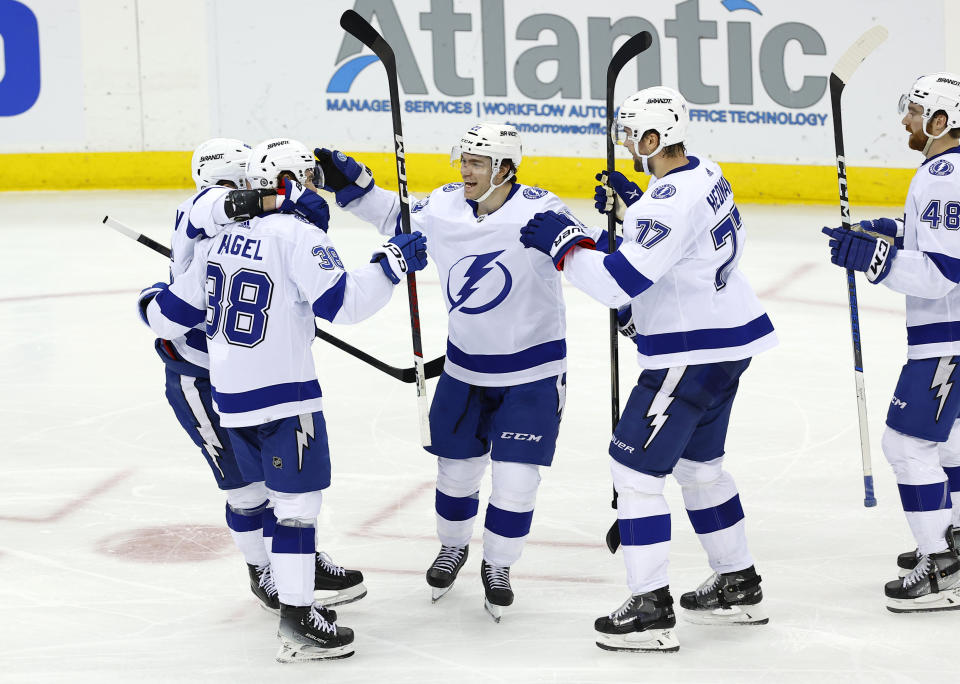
point(927, 269)
point(257, 287)
point(677, 266)
point(199, 217)
point(506, 317)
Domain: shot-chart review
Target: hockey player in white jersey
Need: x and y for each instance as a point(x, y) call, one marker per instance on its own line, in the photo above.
point(696, 323)
point(920, 258)
point(257, 287)
point(501, 394)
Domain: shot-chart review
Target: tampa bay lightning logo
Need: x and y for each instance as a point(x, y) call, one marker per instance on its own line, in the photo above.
point(941, 167)
point(420, 205)
point(450, 187)
point(534, 193)
point(479, 279)
point(664, 191)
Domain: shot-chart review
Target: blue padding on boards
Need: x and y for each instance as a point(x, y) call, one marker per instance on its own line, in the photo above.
point(643, 531)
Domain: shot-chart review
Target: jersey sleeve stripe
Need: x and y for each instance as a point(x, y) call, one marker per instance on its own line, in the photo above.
point(508, 363)
point(630, 280)
point(705, 338)
point(328, 305)
point(179, 311)
point(949, 266)
point(263, 397)
point(196, 339)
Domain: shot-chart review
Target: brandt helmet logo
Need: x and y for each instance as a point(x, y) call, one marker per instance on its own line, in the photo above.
point(948, 80)
point(513, 133)
point(277, 144)
point(686, 32)
point(210, 157)
point(474, 278)
point(660, 100)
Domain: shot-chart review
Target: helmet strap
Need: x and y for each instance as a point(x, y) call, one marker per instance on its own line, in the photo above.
point(494, 186)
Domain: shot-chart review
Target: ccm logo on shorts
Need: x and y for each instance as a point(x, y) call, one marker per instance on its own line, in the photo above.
point(521, 436)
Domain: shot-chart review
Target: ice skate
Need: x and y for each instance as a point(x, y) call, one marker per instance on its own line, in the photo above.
point(445, 568)
point(348, 584)
point(934, 584)
point(263, 587)
point(497, 590)
point(644, 623)
point(729, 598)
point(305, 634)
point(907, 560)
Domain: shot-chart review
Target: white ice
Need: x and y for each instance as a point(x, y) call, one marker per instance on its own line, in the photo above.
point(115, 564)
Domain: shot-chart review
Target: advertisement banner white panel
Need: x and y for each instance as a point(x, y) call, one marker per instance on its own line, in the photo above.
point(754, 72)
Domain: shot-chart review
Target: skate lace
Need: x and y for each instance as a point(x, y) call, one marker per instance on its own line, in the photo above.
point(266, 581)
point(448, 558)
point(710, 586)
point(918, 573)
point(317, 621)
point(331, 567)
point(622, 610)
point(498, 577)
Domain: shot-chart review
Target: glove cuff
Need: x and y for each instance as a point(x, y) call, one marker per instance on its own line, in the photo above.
point(880, 262)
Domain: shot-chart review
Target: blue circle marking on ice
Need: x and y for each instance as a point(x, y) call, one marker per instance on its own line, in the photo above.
point(450, 187)
point(941, 167)
point(534, 193)
point(663, 192)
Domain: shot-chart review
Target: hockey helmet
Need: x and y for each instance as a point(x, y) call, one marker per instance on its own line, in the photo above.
point(220, 159)
point(935, 92)
point(274, 156)
point(495, 140)
point(658, 108)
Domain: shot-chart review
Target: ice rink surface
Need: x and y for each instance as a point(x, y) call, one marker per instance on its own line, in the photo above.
point(117, 565)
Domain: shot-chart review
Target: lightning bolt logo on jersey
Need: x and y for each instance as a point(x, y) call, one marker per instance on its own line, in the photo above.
point(471, 271)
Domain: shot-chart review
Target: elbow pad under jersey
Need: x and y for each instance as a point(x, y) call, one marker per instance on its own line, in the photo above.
point(243, 205)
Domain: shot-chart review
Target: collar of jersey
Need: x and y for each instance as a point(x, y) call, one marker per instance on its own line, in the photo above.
point(513, 191)
point(951, 150)
point(692, 164)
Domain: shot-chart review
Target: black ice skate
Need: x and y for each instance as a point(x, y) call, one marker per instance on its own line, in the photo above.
point(305, 634)
point(907, 560)
point(263, 587)
point(644, 623)
point(445, 568)
point(934, 584)
point(496, 587)
point(328, 576)
point(730, 598)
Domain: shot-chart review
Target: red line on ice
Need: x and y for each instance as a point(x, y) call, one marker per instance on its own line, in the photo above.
point(73, 504)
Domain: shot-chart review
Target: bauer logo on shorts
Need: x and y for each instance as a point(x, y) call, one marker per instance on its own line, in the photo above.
point(941, 167)
point(450, 187)
point(663, 192)
point(534, 193)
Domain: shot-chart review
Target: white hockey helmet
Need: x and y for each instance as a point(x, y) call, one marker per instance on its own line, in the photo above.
point(274, 156)
point(935, 92)
point(220, 159)
point(495, 140)
point(658, 108)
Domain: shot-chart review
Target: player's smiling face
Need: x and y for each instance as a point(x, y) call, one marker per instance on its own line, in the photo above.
point(475, 172)
point(913, 122)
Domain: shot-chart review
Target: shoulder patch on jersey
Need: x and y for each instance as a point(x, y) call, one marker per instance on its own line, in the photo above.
point(420, 204)
point(534, 193)
point(664, 191)
point(941, 167)
point(450, 187)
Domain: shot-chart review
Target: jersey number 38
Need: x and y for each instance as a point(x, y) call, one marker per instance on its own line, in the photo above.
point(243, 317)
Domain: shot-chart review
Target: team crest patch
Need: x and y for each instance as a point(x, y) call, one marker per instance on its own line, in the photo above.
point(450, 187)
point(278, 463)
point(534, 193)
point(420, 204)
point(663, 192)
point(941, 167)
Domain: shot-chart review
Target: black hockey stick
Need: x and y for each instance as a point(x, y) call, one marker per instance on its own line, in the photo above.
point(360, 28)
point(839, 78)
point(633, 47)
point(432, 368)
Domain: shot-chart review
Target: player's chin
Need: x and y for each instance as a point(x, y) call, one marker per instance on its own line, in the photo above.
point(470, 190)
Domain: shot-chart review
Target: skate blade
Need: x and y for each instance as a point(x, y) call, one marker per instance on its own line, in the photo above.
point(341, 597)
point(300, 653)
point(438, 593)
point(947, 599)
point(648, 641)
point(734, 615)
point(496, 612)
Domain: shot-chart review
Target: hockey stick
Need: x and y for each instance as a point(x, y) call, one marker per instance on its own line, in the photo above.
point(633, 47)
point(432, 368)
point(839, 78)
point(360, 28)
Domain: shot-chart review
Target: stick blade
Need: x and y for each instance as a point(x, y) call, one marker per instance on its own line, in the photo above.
point(360, 28)
point(856, 53)
point(633, 47)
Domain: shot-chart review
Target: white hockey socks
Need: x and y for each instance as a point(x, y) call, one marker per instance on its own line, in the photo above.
point(458, 498)
point(644, 520)
point(509, 511)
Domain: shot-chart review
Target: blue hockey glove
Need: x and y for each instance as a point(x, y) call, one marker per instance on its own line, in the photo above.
point(306, 204)
point(343, 176)
point(861, 252)
point(146, 296)
point(555, 235)
point(887, 229)
point(615, 195)
point(625, 322)
point(402, 254)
